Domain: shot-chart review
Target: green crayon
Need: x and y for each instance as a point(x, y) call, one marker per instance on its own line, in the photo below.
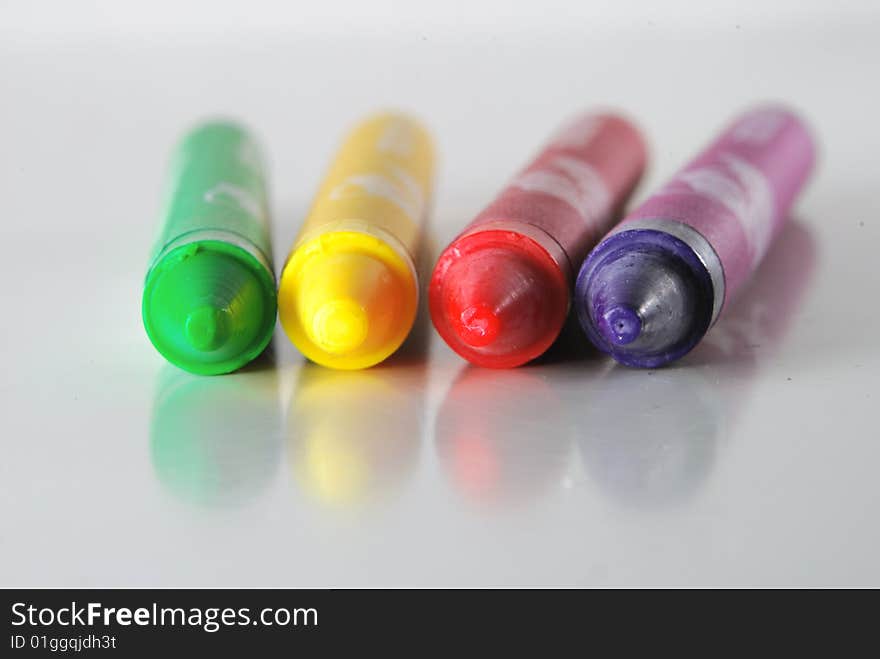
point(209, 300)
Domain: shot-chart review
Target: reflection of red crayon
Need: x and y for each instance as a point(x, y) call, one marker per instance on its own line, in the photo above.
point(491, 439)
point(500, 292)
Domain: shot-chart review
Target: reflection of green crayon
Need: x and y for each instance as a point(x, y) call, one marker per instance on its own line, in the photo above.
point(209, 298)
point(216, 441)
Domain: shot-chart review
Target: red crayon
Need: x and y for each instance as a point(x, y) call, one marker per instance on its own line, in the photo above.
point(500, 292)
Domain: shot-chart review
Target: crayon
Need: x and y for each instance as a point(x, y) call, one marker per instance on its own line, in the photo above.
point(654, 286)
point(500, 292)
point(209, 296)
point(349, 290)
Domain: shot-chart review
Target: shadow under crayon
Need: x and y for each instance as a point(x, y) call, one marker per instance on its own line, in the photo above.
point(216, 440)
point(759, 317)
point(651, 438)
point(571, 346)
point(415, 348)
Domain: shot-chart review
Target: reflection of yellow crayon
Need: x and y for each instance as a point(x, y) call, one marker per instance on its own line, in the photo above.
point(349, 293)
point(353, 436)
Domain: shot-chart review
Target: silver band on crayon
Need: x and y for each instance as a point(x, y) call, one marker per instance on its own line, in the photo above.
point(219, 235)
point(533, 232)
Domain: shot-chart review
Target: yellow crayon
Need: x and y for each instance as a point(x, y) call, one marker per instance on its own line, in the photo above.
point(349, 292)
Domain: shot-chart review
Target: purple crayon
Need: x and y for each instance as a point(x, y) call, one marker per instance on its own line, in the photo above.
point(652, 288)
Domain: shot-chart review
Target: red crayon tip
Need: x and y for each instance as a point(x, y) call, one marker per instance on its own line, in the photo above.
point(498, 298)
point(478, 325)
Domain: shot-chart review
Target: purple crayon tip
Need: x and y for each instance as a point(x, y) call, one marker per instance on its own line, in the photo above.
point(645, 297)
point(620, 325)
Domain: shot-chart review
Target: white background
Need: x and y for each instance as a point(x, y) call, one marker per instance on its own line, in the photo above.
point(752, 462)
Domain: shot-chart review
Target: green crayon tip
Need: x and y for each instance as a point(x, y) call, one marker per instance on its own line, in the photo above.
point(207, 328)
point(209, 307)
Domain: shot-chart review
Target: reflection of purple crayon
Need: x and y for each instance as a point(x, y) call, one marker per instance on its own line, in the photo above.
point(651, 442)
point(653, 287)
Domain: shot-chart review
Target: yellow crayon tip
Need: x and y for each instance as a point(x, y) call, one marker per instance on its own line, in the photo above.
point(339, 326)
point(347, 299)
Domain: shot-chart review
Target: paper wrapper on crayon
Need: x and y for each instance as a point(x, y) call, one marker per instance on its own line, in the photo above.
point(573, 189)
point(737, 193)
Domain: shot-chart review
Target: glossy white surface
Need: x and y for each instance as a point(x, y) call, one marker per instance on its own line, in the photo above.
point(752, 462)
